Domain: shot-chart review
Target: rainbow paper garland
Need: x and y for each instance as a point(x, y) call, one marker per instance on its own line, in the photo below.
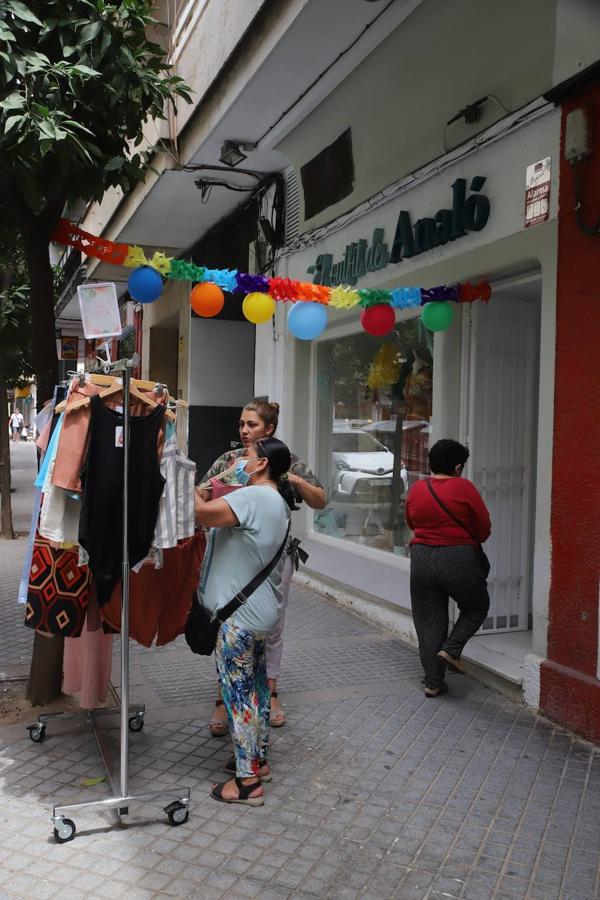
point(278, 289)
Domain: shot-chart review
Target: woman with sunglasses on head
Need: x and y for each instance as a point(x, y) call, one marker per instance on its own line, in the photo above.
point(259, 419)
point(249, 528)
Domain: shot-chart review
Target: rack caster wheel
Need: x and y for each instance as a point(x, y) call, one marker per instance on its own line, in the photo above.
point(64, 831)
point(136, 723)
point(178, 813)
point(37, 733)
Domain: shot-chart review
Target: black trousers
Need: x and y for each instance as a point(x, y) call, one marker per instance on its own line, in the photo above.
point(437, 574)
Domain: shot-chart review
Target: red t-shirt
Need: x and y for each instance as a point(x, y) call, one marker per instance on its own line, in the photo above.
point(431, 525)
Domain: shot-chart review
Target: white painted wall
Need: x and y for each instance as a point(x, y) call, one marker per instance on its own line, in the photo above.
point(443, 57)
point(221, 362)
point(577, 37)
point(503, 248)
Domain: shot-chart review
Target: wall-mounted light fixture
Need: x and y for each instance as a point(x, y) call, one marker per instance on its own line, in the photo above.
point(232, 152)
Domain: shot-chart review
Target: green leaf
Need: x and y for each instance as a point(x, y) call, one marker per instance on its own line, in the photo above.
point(84, 70)
point(117, 162)
point(13, 101)
point(5, 33)
point(46, 145)
point(12, 121)
point(90, 31)
point(92, 782)
point(23, 12)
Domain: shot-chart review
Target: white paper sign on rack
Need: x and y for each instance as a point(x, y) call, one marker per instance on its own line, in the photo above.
point(99, 310)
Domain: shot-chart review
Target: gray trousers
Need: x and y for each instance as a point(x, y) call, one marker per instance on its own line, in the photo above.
point(437, 574)
point(274, 640)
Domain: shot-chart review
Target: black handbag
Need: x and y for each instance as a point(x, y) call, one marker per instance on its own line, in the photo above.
point(201, 628)
point(482, 554)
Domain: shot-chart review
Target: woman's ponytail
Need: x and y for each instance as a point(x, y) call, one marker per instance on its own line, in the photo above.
point(280, 460)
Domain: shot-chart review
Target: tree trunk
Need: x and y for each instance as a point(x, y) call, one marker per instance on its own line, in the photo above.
point(6, 521)
point(45, 675)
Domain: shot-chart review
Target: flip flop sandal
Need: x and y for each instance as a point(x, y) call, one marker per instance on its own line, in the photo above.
point(278, 722)
point(230, 768)
point(244, 794)
point(455, 665)
point(216, 727)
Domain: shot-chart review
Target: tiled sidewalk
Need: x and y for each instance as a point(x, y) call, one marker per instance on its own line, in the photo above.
point(376, 793)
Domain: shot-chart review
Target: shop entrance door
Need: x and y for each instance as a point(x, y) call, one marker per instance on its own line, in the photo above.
point(499, 426)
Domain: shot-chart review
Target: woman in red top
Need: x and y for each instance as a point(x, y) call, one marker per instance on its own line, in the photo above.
point(450, 521)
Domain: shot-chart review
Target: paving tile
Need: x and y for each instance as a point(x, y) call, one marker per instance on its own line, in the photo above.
point(382, 796)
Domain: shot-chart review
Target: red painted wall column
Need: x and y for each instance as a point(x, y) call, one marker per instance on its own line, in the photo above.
point(570, 692)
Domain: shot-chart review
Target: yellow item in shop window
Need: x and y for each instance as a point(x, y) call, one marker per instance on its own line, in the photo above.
point(385, 368)
point(22, 392)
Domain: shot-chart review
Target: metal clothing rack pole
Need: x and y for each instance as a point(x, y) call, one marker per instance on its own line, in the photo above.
point(177, 809)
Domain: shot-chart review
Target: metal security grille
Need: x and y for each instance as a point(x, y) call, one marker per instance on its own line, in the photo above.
point(502, 413)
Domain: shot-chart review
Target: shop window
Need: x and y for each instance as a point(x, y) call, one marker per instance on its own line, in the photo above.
point(329, 176)
point(374, 411)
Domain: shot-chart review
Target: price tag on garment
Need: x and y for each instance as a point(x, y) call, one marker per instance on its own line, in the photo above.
point(118, 435)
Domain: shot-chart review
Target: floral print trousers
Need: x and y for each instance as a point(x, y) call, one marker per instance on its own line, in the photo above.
point(242, 671)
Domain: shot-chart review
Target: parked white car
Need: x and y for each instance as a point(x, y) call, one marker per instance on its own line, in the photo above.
point(362, 467)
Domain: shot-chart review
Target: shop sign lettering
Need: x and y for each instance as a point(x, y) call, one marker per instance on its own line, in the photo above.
point(468, 213)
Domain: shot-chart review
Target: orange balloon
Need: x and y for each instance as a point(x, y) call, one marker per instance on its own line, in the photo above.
point(207, 299)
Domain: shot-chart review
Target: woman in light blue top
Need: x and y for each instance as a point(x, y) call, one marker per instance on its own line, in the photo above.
point(248, 528)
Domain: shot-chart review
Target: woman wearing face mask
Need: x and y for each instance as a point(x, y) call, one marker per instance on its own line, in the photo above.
point(450, 521)
point(249, 528)
point(258, 420)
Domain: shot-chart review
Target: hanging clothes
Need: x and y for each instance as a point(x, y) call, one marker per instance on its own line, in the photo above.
point(160, 600)
point(87, 661)
point(50, 454)
point(58, 591)
point(101, 521)
point(59, 517)
point(73, 442)
point(176, 520)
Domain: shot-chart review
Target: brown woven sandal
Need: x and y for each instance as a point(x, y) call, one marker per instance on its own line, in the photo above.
point(277, 720)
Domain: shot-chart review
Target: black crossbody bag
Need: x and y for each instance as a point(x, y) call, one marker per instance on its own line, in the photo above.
point(482, 554)
point(201, 628)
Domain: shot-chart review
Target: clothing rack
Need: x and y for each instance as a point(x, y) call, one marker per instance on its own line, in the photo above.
point(177, 809)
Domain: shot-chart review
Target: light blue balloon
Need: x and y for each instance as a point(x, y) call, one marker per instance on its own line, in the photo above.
point(145, 284)
point(306, 320)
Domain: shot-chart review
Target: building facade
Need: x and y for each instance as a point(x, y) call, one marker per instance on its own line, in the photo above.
point(406, 158)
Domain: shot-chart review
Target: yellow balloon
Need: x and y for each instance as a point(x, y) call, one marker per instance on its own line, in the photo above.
point(258, 308)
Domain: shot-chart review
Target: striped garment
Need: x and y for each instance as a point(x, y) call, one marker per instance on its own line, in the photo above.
point(176, 509)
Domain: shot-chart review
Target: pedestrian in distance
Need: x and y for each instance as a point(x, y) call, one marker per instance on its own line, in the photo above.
point(16, 425)
point(259, 419)
point(249, 531)
point(450, 522)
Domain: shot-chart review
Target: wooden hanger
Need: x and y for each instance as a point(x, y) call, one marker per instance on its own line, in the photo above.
point(113, 386)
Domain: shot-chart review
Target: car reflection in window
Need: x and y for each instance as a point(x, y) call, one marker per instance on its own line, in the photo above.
point(362, 468)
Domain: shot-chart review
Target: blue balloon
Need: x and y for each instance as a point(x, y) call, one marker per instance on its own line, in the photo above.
point(145, 284)
point(306, 320)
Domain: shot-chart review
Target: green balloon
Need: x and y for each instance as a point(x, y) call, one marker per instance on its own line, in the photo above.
point(437, 315)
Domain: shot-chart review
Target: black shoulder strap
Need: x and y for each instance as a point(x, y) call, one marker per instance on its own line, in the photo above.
point(443, 506)
point(241, 597)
